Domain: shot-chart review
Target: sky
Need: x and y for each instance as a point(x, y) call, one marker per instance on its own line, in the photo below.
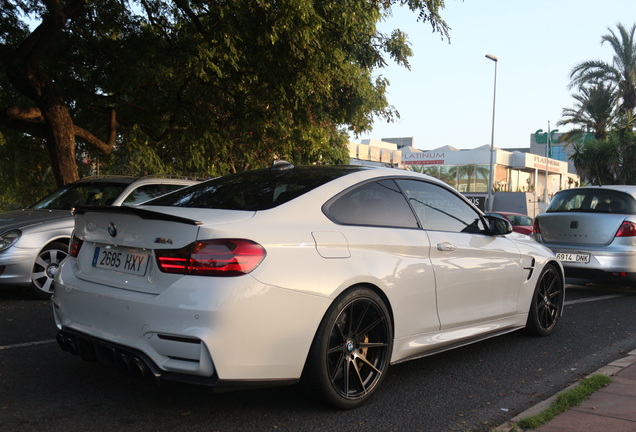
point(447, 96)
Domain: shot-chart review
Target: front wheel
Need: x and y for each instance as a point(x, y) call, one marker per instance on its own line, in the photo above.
point(351, 350)
point(45, 269)
point(547, 302)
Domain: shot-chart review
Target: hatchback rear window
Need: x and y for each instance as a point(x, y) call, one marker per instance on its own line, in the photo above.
point(592, 200)
point(254, 190)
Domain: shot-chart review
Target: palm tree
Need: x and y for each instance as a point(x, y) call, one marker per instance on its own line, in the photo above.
point(611, 160)
point(621, 73)
point(593, 112)
point(596, 162)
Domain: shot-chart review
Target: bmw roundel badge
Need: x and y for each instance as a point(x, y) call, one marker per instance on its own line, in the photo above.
point(112, 229)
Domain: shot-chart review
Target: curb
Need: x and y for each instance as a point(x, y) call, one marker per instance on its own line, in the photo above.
point(609, 370)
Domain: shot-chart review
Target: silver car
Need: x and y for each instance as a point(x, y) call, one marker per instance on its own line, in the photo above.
point(592, 231)
point(34, 241)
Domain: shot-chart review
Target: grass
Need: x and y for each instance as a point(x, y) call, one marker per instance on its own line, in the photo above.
point(567, 399)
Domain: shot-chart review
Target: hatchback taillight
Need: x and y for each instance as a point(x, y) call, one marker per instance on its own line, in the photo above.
point(75, 246)
point(627, 229)
point(535, 226)
point(225, 257)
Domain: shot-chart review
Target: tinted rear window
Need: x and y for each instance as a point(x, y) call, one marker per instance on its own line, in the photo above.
point(592, 200)
point(254, 190)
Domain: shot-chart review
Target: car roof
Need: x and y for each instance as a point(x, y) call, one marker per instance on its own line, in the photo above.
point(129, 179)
point(111, 179)
point(321, 180)
point(629, 189)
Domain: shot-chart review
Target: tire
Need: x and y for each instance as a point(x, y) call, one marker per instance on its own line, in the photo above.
point(351, 351)
point(547, 303)
point(45, 268)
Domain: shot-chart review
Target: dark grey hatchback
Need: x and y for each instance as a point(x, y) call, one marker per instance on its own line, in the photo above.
point(592, 231)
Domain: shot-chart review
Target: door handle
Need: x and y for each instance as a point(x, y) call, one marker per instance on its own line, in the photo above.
point(446, 247)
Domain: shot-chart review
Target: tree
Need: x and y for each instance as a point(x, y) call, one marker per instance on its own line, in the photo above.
point(621, 73)
point(608, 159)
point(17, 152)
point(206, 87)
point(592, 112)
point(595, 161)
point(611, 160)
point(47, 115)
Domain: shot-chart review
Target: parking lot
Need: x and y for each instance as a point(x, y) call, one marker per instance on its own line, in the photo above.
point(474, 388)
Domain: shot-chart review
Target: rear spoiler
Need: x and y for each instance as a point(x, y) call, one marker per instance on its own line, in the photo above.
point(142, 213)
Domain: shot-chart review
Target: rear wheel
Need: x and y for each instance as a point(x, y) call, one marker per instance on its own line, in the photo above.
point(547, 302)
point(351, 351)
point(45, 268)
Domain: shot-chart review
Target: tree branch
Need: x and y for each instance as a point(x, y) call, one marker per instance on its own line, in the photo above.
point(26, 120)
point(104, 147)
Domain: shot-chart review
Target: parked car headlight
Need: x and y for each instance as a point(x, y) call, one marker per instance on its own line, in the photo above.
point(9, 238)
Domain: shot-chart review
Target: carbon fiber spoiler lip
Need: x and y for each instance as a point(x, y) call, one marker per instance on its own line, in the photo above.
point(142, 213)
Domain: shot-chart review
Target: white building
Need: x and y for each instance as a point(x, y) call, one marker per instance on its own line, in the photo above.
point(522, 182)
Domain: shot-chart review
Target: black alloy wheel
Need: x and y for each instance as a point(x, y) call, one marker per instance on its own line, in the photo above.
point(547, 303)
point(352, 349)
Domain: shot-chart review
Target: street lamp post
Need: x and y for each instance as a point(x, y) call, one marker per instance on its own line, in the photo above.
point(489, 199)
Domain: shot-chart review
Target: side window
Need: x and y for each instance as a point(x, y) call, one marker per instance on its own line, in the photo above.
point(378, 203)
point(438, 209)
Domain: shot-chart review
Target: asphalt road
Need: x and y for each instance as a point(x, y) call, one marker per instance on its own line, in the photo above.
point(474, 388)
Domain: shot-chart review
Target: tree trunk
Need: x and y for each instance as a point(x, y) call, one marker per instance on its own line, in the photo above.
point(60, 139)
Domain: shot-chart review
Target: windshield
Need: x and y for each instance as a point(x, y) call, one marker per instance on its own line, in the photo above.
point(75, 194)
point(253, 190)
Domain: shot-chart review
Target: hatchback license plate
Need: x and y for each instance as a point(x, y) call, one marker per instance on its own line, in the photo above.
point(122, 260)
point(568, 257)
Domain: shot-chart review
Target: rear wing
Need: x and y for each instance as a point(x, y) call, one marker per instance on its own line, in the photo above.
point(142, 213)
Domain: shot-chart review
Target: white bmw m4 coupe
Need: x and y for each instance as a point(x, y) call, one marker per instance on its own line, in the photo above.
point(323, 275)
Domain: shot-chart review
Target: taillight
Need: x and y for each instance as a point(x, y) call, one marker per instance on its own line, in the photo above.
point(75, 246)
point(627, 229)
point(226, 257)
point(535, 226)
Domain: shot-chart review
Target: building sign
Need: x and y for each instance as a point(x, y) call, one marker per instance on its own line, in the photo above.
point(542, 137)
point(424, 158)
point(556, 137)
point(478, 201)
point(551, 165)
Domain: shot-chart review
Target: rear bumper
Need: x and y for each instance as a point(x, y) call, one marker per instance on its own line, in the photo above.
point(138, 365)
point(605, 263)
point(205, 330)
point(599, 275)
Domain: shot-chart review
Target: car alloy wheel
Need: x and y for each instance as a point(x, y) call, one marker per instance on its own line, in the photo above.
point(547, 302)
point(45, 268)
point(352, 349)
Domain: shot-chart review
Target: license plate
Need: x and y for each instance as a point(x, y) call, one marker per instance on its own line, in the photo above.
point(122, 260)
point(569, 257)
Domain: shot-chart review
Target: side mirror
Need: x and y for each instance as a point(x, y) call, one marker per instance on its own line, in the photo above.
point(498, 225)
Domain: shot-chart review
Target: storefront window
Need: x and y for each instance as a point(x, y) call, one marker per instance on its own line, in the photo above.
point(520, 181)
point(464, 178)
point(448, 174)
point(481, 178)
